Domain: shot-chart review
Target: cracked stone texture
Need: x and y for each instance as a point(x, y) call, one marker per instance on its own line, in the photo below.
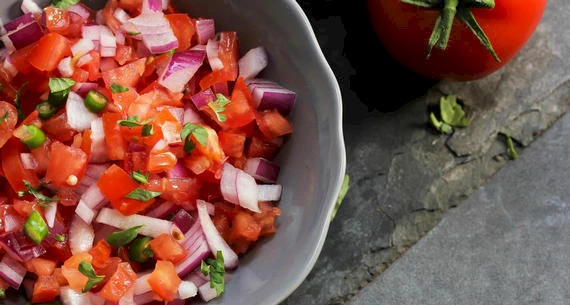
point(404, 176)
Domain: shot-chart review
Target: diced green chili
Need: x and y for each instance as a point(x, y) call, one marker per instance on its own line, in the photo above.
point(35, 227)
point(140, 251)
point(46, 110)
point(95, 101)
point(34, 137)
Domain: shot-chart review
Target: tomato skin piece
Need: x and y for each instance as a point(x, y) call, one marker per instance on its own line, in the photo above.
point(66, 161)
point(51, 49)
point(8, 124)
point(14, 169)
point(508, 26)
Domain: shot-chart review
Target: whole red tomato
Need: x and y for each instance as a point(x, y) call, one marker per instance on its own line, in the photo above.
point(405, 29)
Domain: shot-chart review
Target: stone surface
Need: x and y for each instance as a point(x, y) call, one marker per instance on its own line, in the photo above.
point(508, 243)
point(405, 176)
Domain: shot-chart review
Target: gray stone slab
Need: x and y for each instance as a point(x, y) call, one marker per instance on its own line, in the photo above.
point(508, 243)
point(404, 176)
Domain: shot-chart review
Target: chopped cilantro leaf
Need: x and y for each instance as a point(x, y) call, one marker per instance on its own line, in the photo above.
point(219, 106)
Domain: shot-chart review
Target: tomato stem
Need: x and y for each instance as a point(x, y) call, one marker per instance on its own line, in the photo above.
point(449, 10)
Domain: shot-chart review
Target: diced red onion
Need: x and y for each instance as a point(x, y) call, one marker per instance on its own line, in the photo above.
point(179, 171)
point(102, 231)
point(262, 169)
point(81, 235)
point(206, 292)
point(78, 116)
point(151, 6)
point(222, 88)
point(128, 298)
point(197, 251)
point(19, 246)
point(150, 226)
point(29, 6)
point(141, 284)
point(108, 42)
point(82, 46)
point(9, 67)
point(84, 212)
point(12, 271)
point(98, 146)
point(93, 198)
point(203, 98)
point(272, 96)
point(228, 183)
point(196, 277)
point(177, 112)
point(121, 15)
point(50, 212)
point(146, 298)
point(28, 161)
point(83, 60)
point(95, 298)
point(65, 67)
point(247, 191)
point(214, 60)
point(191, 115)
point(108, 63)
point(162, 210)
point(91, 31)
point(99, 19)
point(13, 222)
point(171, 133)
point(186, 290)
point(80, 10)
point(70, 296)
point(18, 21)
point(23, 36)
point(205, 29)
point(269, 192)
point(180, 69)
point(81, 88)
point(28, 287)
point(183, 220)
point(215, 240)
point(253, 62)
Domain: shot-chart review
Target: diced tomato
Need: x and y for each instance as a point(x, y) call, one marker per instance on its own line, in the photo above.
point(164, 280)
point(182, 191)
point(157, 95)
point(119, 284)
point(127, 75)
point(80, 75)
point(41, 155)
point(56, 250)
point(135, 161)
point(266, 219)
point(46, 289)
point(67, 165)
point(116, 145)
point(128, 206)
point(59, 278)
point(165, 247)
point(70, 271)
point(57, 127)
point(125, 99)
point(21, 58)
point(228, 52)
point(100, 253)
point(41, 266)
point(26, 207)
point(56, 20)
point(258, 147)
point(14, 169)
point(273, 124)
point(7, 125)
point(51, 49)
point(86, 142)
point(183, 29)
point(116, 176)
point(241, 110)
point(232, 144)
point(245, 227)
point(92, 66)
point(123, 54)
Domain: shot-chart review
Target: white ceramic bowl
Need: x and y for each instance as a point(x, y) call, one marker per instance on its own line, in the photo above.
point(312, 162)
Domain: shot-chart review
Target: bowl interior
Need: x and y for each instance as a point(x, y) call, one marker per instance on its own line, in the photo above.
point(312, 161)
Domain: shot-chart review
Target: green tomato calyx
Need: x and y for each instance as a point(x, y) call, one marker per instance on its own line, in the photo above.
point(449, 9)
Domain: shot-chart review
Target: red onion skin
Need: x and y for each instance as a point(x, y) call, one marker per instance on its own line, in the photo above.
point(21, 20)
point(26, 35)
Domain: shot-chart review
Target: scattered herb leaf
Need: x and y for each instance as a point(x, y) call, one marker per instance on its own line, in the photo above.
point(60, 237)
point(511, 151)
point(147, 130)
point(139, 177)
point(215, 268)
point(93, 279)
point(121, 238)
point(142, 194)
point(59, 89)
point(343, 190)
point(439, 125)
point(134, 121)
point(63, 4)
point(452, 113)
point(21, 115)
point(219, 106)
point(36, 192)
point(198, 132)
point(116, 88)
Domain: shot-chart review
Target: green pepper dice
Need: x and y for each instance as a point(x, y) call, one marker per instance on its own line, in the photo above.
point(36, 228)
